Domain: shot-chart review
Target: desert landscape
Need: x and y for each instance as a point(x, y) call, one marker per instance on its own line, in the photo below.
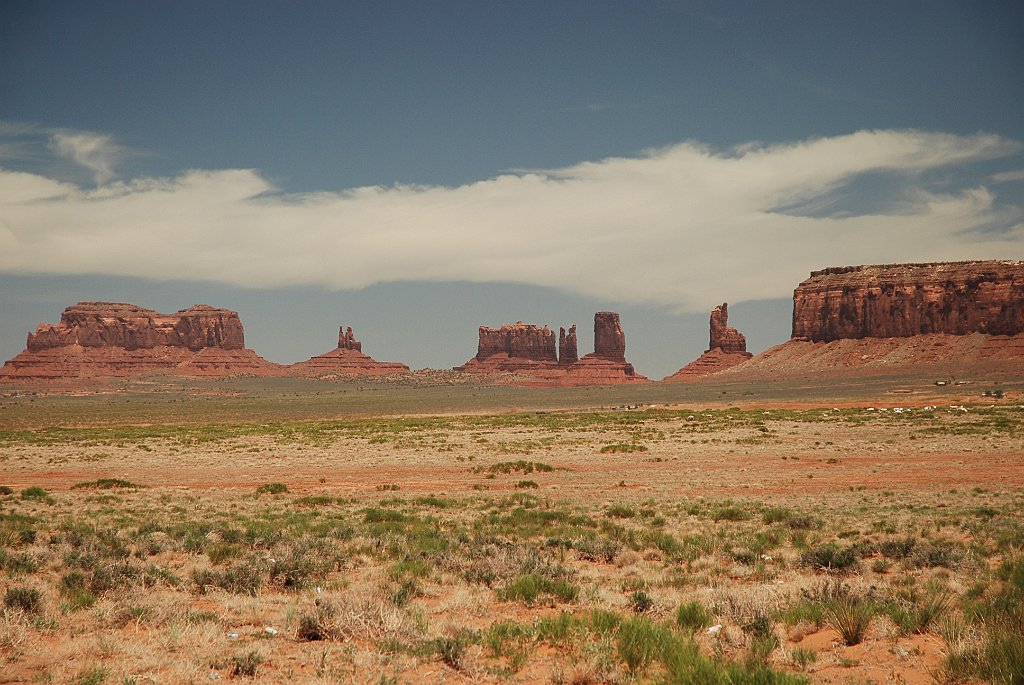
point(847, 507)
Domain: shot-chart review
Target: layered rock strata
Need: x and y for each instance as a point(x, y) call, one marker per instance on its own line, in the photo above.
point(113, 339)
point(904, 300)
point(514, 348)
point(949, 319)
point(727, 348)
point(347, 359)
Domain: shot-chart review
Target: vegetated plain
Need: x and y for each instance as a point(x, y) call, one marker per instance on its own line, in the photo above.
point(287, 531)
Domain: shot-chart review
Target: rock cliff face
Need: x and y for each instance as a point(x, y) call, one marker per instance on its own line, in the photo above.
point(904, 300)
point(529, 351)
point(567, 349)
point(727, 348)
point(101, 339)
point(609, 340)
point(347, 359)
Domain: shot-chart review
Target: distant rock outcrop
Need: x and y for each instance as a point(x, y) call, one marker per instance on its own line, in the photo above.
point(567, 350)
point(947, 319)
point(609, 340)
point(529, 351)
point(904, 300)
point(727, 348)
point(113, 339)
point(347, 359)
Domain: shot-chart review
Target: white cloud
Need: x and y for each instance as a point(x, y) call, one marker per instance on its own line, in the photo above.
point(96, 152)
point(685, 226)
point(1008, 176)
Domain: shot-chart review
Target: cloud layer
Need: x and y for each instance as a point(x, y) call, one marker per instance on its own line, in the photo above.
point(685, 226)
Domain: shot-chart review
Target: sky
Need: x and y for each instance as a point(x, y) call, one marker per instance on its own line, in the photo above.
point(415, 170)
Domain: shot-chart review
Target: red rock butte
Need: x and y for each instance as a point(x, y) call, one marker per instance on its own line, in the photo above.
point(904, 300)
point(113, 339)
point(942, 317)
point(347, 359)
point(529, 350)
point(727, 348)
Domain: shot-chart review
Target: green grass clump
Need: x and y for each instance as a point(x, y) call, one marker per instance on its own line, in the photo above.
point(527, 485)
point(851, 616)
point(639, 642)
point(693, 617)
point(272, 489)
point(37, 494)
point(6, 490)
point(530, 588)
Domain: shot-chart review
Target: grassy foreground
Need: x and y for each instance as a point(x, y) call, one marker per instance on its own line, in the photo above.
point(655, 546)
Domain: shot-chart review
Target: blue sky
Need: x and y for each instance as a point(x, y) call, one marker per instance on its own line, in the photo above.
point(418, 169)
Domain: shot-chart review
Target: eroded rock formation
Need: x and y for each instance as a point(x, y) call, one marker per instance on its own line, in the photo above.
point(347, 359)
point(114, 339)
point(609, 340)
point(903, 300)
point(347, 341)
point(567, 349)
point(727, 348)
point(529, 351)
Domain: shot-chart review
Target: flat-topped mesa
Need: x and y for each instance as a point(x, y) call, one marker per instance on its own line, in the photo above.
point(347, 341)
point(517, 341)
point(347, 359)
point(723, 336)
point(567, 350)
point(727, 348)
point(609, 340)
point(905, 300)
point(96, 340)
point(117, 324)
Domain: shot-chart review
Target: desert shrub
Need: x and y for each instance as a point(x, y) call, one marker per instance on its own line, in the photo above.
point(620, 511)
point(74, 591)
point(37, 494)
point(802, 522)
point(802, 657)
point(105, 484)
point(27, 599)
point(776, 515)
point(641, 602)
point(321, 623)
point(452, 650)
point(375, 515)
point(527, 485)
point(830, 557)
point(622, 448)
point(92, 675)
point(6, 490)
point(1002, 654)
point(730, 513)
point(241, 578)
point(272, 489)
point(528, 588)
point(923, 611)
point(933, 555)
point(246, 664)
point(693, 617)
point(851, 616)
